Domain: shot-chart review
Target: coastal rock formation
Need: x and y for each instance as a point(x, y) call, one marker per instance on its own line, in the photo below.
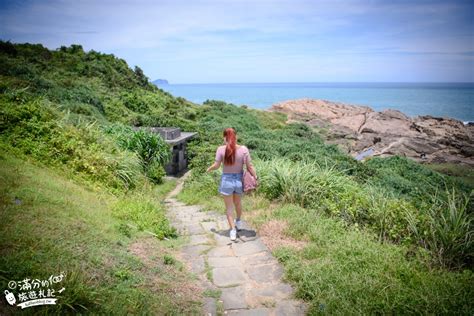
point(389, 132)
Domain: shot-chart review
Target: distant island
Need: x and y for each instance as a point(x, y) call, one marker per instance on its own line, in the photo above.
point(160, 81)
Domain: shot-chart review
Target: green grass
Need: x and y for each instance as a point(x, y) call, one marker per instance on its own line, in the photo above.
point(213, 293)
point(51, 224)
point(348, 272)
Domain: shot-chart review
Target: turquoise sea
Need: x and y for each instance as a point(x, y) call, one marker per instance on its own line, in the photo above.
point(454, 100)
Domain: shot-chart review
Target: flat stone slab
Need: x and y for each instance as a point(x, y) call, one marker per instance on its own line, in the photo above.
point(220, 262)
point(195, 229)
point(199, 239)
point(258, 258)
point(277, 291)
point(222, 240)
point(223, 224)
point(221, 251)
point(265, 272)
point(187, 208)
point(228, 276)
point(197, 265)
point(193, 251)
point(210, 306)
point(252, 312)
point(233, 297)
point(247, 248)
point(199, 216)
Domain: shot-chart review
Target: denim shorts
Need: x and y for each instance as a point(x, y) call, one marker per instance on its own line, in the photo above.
point(231, 183)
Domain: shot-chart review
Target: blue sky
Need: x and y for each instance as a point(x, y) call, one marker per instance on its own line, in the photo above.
point(261, 41)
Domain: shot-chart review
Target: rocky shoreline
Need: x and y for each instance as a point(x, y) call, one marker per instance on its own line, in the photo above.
point(357, 129)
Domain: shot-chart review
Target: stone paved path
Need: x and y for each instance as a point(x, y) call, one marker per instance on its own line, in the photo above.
point(244, 272)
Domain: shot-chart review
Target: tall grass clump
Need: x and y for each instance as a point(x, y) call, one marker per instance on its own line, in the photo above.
point(152, 150)
point(322, 187)
point(448, 229)
point(298, 183)
point(310, 184)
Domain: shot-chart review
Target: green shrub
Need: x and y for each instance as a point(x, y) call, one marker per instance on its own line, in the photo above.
point(155, 172)
point(149, 147)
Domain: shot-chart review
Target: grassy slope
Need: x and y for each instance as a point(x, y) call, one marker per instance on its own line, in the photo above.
point(348, 272)
point(85, 207)
point(51, 224)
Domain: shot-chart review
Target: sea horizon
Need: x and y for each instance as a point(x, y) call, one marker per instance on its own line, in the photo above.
point(438, 99)
point(321, 82)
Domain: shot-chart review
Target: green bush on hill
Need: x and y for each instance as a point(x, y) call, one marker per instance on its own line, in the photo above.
point(34, 127)
point(91, 84)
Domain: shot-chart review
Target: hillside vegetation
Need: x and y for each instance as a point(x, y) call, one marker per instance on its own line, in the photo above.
point(387, 235)
point(68, 115)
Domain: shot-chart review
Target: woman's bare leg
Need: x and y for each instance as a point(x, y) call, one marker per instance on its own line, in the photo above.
point(238, 204)
point(229, 206)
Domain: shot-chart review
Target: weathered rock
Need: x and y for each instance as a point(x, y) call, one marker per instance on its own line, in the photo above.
point(389, 132)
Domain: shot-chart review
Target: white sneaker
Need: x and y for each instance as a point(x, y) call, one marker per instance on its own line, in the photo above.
point(233, 234)
point(238, 224)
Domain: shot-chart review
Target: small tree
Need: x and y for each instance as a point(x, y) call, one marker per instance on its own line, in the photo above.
point(142, 79)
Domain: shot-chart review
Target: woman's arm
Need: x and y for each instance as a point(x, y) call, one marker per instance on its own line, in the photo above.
point(217, 161)
point(251, 169)
point(249, 165)
point(214, 166)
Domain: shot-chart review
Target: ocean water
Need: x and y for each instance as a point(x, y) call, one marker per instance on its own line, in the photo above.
point(455, 100)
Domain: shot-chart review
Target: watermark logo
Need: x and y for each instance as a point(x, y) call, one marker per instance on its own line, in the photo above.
point(34, 292)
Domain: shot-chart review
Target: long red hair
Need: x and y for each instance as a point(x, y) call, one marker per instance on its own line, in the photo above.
point(229, 157)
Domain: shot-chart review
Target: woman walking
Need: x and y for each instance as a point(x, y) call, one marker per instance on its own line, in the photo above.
point(234, 157)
